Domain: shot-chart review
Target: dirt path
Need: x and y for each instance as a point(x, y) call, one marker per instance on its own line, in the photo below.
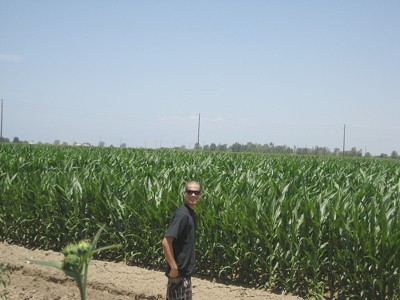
point(107, 281)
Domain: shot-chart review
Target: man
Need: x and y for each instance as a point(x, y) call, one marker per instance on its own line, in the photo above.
point(179, 245)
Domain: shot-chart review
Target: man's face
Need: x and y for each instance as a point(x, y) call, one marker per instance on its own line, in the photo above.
point(192, 194)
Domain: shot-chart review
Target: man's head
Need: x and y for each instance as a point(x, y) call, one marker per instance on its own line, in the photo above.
point(192, 193)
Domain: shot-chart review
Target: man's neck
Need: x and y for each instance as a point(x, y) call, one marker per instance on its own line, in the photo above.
point(191, 206)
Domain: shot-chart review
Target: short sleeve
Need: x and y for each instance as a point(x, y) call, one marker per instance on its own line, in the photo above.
point(177, 225)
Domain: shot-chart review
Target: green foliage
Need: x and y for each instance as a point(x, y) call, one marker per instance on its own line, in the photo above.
point(314, 225)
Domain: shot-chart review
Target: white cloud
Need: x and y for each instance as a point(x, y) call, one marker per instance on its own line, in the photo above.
point(10, 58)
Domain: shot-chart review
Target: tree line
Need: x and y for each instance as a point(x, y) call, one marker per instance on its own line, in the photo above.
point(270, 148)
point(283, 149)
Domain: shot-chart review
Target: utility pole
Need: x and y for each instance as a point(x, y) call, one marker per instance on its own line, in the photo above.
point(198, 134)
point(1, 127)
point(344, 137)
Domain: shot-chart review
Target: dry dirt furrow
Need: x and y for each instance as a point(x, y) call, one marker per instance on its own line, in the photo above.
point(107, 281)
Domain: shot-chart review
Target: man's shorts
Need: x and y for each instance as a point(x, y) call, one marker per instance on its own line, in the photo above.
point(179, 288)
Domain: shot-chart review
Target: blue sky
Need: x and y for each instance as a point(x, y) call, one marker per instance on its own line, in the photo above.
point(140, 72)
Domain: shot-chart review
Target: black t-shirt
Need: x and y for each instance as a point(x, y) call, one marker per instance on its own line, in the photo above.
point(183, 230)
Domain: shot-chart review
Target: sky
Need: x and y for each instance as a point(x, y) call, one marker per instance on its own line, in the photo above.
point(167, 73)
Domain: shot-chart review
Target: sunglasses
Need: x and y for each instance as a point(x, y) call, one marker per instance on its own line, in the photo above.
point(190, 192)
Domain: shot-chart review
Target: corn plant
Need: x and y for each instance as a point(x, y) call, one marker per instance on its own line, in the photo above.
point(76, 261)
point(312, 225)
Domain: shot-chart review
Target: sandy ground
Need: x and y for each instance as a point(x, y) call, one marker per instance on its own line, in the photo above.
point(106, 281)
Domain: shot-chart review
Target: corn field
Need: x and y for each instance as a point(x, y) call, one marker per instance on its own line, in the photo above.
point(314, 226)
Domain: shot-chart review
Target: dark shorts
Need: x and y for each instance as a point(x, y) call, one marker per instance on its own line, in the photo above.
point(179, 288)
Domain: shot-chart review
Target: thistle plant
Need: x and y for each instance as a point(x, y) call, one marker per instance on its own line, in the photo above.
point(76, 261)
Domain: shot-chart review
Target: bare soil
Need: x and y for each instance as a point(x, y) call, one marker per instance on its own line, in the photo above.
point(106, 281)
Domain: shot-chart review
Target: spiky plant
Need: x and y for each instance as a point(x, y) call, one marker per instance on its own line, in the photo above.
point(76, 261)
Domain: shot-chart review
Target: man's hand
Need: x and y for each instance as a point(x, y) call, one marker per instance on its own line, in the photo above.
point(174, 273)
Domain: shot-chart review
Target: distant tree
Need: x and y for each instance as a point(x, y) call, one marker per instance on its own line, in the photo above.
point(206, 147)
point(64, 143)
point(236, 147)
point(394, 154)
point(321, 151)
point(302, 151)
point(197, 146)
point(213, 147)
point(367, 154)
point(354, 152)
point(222, 147)
point(57, 142)
point(102, 144)
point(251, 147)
point(383, 155)
point(282, 149)
point(16, 140)
point(123, 145)
point(337, 151)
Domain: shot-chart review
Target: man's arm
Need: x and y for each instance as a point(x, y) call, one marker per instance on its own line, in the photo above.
point(169, 256)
